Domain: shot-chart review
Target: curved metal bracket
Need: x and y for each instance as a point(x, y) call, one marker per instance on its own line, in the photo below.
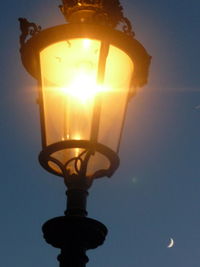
point(80, 162)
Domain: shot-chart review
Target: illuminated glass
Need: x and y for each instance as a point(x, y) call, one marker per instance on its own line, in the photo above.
point(80, 102)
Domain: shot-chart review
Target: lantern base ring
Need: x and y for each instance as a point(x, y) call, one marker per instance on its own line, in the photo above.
point(47, 157)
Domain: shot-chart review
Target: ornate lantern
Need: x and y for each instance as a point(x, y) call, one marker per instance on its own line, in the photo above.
point(87, 72)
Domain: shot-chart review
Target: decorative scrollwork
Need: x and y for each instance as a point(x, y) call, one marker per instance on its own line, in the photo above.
point(78, 167)
point(127, 27)
point(80, 162)
point(27, 29)
point(75, 175)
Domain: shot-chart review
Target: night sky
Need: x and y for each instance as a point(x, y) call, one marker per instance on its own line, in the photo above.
point(155, 194)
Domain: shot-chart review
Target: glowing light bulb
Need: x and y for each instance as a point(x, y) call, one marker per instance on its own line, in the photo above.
point(83, 87)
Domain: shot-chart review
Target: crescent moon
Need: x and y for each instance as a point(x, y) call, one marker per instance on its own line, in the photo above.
point(171, 244)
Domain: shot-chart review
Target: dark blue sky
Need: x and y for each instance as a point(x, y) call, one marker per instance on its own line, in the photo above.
point(155, 194)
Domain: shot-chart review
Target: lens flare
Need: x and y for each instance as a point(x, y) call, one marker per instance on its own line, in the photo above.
point(84, 88)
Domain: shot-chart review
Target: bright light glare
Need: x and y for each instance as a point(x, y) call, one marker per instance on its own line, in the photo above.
point(77, 150)
point(84, 87)
point(86, 43)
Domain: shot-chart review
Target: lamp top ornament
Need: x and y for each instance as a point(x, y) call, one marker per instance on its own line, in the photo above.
point(103, 12)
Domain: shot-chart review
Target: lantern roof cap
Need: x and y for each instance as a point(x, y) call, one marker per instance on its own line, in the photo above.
point(104, 12)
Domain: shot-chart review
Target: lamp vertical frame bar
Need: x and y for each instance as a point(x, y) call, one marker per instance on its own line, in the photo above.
point(41, 103)
point(104, 50)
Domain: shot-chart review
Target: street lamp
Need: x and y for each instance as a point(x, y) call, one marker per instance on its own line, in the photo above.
point(87, 71)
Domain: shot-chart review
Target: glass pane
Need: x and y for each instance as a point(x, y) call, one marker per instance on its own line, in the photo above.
point(118, 75)
point(69, 72)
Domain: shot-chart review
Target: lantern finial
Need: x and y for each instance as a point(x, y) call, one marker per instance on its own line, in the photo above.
point(97, 12)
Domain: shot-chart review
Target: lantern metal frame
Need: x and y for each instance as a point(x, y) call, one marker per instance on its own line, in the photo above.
point(39, 40)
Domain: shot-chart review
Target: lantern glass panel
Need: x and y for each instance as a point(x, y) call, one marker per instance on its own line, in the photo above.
point(71, 90)
point(118, 75)
point(68, 71)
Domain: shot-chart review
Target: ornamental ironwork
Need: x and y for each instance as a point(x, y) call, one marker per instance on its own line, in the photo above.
point(28, 29)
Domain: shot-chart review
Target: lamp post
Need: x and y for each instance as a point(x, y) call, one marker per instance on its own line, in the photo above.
point(87, 71)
